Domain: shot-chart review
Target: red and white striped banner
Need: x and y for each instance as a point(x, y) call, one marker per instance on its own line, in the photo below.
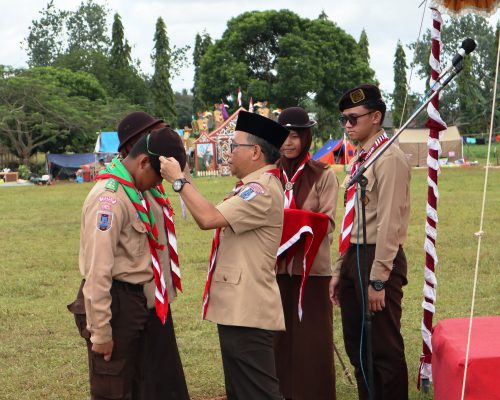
point(435, 125)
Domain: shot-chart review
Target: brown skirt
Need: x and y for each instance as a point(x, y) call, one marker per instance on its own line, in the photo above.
point(304, 353)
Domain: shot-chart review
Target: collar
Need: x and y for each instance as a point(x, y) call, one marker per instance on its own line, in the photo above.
point(368, 145)
point(253, 176)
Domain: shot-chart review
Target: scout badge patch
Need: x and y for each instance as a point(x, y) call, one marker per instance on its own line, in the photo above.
point(104, 220)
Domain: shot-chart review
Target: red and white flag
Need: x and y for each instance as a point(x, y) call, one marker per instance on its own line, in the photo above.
point(310, 226)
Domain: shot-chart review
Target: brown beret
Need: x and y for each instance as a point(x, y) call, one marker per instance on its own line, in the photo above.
point(363, 95)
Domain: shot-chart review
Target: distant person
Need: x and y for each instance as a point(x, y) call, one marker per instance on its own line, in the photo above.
point(304, 352)
point(117, 245)
point(241, 294)
point(387, 214)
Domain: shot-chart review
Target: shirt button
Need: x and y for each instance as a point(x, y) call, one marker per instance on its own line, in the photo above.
point(225, 278)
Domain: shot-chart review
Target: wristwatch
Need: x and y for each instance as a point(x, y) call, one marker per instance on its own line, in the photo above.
point(178, 184)
point(378, 285)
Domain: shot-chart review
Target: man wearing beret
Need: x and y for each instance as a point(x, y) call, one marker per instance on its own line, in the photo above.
point(163, 376)
point(241, 294)
point(387, 205)
point(119, 246)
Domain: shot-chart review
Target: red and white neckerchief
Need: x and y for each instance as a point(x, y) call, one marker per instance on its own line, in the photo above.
point(348, 220)
point(143, 209)
point(310, 226)
point(289, 199)
point(168, 217)
point(215, 245)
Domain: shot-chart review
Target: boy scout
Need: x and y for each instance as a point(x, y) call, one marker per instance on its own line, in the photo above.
point(387, 214)
point(241, 294)
point(163, 376)
point(117, 245)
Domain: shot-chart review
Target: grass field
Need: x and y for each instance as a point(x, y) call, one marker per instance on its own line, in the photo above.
point(42, 356)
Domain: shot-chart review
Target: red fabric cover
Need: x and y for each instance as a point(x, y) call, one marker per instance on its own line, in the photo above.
point(449, 343)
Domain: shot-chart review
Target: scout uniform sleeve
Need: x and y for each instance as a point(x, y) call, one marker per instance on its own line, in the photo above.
point(337, 265)
point(103, 222)
point(392, 174)
point(249, 209)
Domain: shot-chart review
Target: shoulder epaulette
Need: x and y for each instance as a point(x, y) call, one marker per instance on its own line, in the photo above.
point(111, 185)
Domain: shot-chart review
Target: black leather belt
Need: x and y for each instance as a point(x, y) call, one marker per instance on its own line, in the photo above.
point(133, 287)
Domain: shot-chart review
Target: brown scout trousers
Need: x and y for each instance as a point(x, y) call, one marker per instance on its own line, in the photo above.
point(248, 362)
point(304, 352)
point(389, 365)
point(118, 378)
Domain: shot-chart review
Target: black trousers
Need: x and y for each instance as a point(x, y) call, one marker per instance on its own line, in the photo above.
point(389, 363)
point(118, 378)
point(248, 361)
point(163, 377)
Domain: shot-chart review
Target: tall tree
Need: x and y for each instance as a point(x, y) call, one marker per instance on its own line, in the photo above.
point(120, 49)
point(364, 46)
point(163, 96)
point(87, 27)
point(400, 89)
point(201, 45)
point(45, 40)
point(467, 100)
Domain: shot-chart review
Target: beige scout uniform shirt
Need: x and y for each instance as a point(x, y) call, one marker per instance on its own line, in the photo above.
point(387, 209)
point(149, 288)
point(113, 245)
point(321, 199)
point(244, 291)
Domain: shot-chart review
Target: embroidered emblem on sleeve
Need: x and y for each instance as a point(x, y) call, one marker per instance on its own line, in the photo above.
point(104, 220)
point(251, 191)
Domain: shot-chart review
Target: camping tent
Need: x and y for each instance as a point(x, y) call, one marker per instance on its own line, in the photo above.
point(413, 142)
point(107, 143)
point(66, 165)
point(334, 152)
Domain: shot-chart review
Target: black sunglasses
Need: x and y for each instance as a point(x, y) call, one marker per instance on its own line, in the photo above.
point(352, 119)
point(233, 145)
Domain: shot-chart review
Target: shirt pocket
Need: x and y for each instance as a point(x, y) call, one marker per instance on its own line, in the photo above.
point(139, 237)
point(371, 190)
point(230, 276)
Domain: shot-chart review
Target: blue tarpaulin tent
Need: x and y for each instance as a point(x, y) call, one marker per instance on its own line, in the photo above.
point(335, 152)
point(65, 165)
point(107, 143)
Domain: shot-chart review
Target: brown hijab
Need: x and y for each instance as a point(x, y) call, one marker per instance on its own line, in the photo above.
point(310, 174)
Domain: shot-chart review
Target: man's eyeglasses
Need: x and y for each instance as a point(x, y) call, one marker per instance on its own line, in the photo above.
point(352, 119)
point(233, 145)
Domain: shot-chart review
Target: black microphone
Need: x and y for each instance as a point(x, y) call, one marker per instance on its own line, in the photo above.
point(468, 46)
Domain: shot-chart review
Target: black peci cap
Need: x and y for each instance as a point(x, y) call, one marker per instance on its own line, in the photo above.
point(262, 127)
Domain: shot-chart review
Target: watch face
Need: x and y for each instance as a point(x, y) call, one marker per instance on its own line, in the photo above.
point(378, 285)
point(177, 185)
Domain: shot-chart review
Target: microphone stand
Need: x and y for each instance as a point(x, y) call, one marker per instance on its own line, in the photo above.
point(362, 169)
point(362, 181)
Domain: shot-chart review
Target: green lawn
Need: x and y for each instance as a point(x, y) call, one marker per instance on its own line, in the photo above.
point(42, 356)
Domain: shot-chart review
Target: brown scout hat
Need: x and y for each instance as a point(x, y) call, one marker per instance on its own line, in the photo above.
point(295, 118)
point(133, 124)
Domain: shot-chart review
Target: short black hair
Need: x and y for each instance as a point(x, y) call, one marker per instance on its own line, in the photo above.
point(271, 152)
